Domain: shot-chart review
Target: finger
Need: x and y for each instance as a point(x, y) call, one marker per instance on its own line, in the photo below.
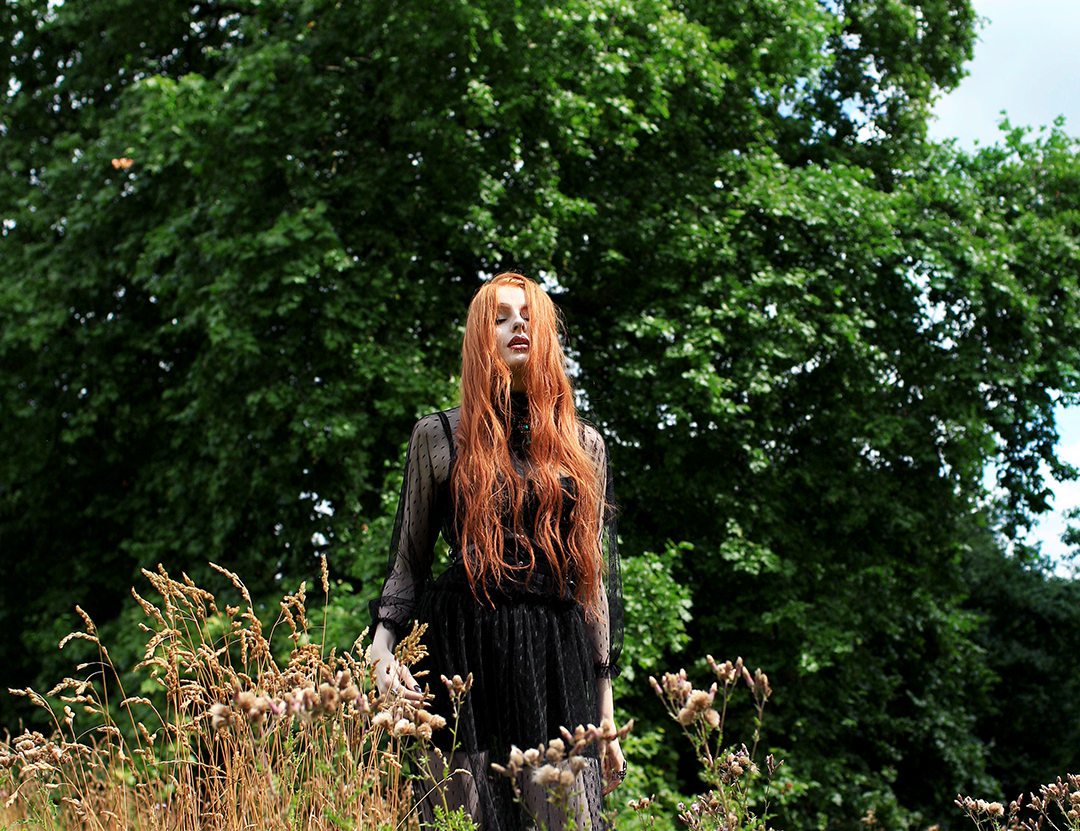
point(409, 683)
point(406, 687)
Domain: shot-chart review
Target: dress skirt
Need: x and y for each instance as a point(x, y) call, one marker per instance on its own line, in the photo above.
point(533, 672)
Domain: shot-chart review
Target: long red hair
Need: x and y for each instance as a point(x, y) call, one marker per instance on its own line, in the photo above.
point(486, 487)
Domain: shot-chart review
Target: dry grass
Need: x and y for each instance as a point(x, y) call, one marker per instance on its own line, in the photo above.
point(740, 789)
point(246, 741)
point(1056, 806)
point(241, 742)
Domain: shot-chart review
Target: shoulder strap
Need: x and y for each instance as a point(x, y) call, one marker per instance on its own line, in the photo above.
point(449, 436)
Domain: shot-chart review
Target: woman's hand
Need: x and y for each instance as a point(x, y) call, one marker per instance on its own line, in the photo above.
point(389, 673)
point(613, 765)
point(612, 762)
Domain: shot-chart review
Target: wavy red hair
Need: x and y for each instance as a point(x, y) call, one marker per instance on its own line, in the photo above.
point(485, 485)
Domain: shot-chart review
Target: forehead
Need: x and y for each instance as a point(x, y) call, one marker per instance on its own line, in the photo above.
point(512, 296)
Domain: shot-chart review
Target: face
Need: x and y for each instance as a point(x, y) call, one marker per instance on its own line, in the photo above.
point(512, 328)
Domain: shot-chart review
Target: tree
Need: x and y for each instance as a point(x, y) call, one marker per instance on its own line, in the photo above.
point(1029, 634)
point(239, 239)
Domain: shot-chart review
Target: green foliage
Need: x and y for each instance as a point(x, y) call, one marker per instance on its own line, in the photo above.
point(456, 820)
point(657, 612)
point(803, 329)
point(1029, 634)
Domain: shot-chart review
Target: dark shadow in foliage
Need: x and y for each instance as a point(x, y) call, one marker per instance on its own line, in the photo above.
point(1031, 636)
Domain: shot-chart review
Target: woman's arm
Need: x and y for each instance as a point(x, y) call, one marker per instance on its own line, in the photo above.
point(605, 622)
point(411, 551)
point(613, 764)
point(606, 627)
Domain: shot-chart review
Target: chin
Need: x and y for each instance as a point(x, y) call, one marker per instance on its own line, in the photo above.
point(515, 361)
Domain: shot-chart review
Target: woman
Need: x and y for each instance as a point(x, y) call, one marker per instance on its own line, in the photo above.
point(530, 603)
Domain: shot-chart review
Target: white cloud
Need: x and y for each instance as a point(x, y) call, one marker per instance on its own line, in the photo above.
point(1024, 64)
point(1049, 529)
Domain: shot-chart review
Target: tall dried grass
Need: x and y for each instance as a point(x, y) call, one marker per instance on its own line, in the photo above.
point(240, 742)
point(240, 739)
point(1056, 806)
point(738, 799)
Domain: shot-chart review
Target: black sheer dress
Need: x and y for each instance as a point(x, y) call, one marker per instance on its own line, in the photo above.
point(534, 653)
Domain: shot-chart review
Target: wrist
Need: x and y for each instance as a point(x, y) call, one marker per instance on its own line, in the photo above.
point(384, 639)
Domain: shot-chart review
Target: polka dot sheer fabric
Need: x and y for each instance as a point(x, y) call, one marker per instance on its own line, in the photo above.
point(534, 653)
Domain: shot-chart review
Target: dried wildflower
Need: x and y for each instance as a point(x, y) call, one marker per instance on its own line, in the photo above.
point(761, 684)
point(578, 738)
point(260, 709)
point(310, 698)
point(546, 776)
point(727, 672)
point(328, 697)
point(220, 716)
point(700, 701)
point(556, 751)
point(382, 720)
point(457, 686)
point(350, 694)
point(532, 756)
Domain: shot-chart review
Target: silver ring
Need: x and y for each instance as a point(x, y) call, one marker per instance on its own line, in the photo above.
point(621, 775)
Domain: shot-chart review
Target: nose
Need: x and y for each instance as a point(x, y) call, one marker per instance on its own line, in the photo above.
point(519, 322)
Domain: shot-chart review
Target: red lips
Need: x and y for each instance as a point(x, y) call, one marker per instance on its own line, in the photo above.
point(518, 340)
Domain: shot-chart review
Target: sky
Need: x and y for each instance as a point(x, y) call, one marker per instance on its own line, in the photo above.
point(1026, 63)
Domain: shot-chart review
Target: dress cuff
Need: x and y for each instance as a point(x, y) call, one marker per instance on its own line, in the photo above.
point(400, 628)
point(608, 670)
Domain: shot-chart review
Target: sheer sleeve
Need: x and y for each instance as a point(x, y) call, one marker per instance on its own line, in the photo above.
point(606, 629)
point(412, 545)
